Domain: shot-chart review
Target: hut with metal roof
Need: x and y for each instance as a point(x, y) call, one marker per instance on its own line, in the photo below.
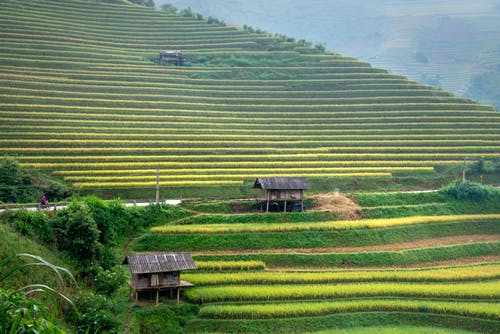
point(158, 272)
point(171, 57)
point(286, 191)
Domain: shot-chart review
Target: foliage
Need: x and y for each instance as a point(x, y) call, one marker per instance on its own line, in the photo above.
point(169, 8)
point(145, 3)
point(81, 237)
point(350, 322)
point(165, 319)
point(21, 314)
point(97, 315)
point(107, 282)
point(469, 191)
point(21, 185)
point(36, 225)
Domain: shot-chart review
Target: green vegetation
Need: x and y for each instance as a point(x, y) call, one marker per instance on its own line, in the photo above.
point(396, 330)
point(19, 311)
point(347, 322)
point(20, 185)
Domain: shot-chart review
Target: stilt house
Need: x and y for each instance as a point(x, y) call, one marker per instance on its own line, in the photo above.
point(158, 272)
point(171, 56)
point(286, 191)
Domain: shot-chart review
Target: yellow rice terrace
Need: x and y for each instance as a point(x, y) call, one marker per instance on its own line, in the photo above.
point(85, 95)
point(118, 100)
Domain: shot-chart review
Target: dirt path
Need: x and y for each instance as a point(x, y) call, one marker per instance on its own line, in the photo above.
point(423, 243)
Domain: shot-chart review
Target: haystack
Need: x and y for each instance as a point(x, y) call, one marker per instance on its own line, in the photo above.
point(337, 203)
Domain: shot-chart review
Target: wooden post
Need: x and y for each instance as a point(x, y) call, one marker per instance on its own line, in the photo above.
point(301, 200)
point(157, 186)
point(178, 294)
point(284, 205)
point(157, 295)
point(136, 295)
point(268, 195)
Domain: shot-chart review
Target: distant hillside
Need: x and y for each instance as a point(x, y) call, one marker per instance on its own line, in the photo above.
point(450, 44)
point(85, 95)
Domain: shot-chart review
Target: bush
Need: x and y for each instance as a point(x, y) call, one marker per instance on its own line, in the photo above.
point(107, 282)
point(97, 315)
point(19, 185)
point(82, 237)
point(469, 191)
point(21, 314)
point(32, 224)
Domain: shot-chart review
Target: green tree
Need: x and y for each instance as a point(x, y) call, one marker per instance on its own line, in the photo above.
point(15, 186)
point(82, 237)
point(146, 3)
point(169, 8)
point(24, 185)
point(187, 12)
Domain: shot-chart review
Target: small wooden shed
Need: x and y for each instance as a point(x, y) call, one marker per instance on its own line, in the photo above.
point(158, 272)
point(286, 190)
point(171, 57)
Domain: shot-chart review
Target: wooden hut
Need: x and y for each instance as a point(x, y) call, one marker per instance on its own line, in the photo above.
point(286, 190)
point(158, 272)
point(171, 57)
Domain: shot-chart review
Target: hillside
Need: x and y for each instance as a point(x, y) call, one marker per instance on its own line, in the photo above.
point(307, 272)
point(84, 95)
point(450, 44)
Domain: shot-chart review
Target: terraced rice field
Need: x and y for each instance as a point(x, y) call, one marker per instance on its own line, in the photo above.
point(83, 96)
point(301, 272)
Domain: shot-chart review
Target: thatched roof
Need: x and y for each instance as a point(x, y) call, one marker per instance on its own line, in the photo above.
point(159, 262)
point(282, 183)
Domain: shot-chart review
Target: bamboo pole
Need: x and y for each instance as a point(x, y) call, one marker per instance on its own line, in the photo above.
point(157, 186)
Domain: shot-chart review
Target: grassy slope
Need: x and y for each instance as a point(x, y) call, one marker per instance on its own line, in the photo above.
point(83, 97)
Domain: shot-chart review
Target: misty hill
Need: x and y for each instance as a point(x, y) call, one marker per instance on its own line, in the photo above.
point(450, 44)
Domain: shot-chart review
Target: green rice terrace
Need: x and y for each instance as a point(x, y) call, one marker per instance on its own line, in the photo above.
point(312, 271)
point(85, 97)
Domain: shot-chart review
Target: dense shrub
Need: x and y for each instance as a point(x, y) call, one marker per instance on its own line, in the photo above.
point(33, 224)
point(107, 282)
point(97, 315)
point(18, 185)
point(82, 236)
point(469, 191)
point(21, 314)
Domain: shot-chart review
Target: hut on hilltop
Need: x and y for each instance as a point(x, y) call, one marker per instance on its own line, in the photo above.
point(158, 272)
point(288, 191)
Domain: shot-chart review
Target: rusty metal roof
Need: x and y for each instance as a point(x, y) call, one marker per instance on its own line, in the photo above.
point(159, 262)
point(282, 183)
